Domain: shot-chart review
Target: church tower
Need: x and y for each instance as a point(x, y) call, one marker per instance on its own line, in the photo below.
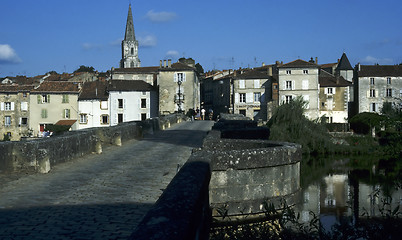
point(129, 45)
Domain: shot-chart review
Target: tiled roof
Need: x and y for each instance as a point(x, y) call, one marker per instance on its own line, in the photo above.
point(129, 85)
point(328, 65)
point(380, 71)
point(136, 70)
point(299, 64)
point(344, 63)
point(94, 90)
point(253, 74)
point(65, 122)
point(5, 88)
point(328, 80)
point(57, 87)
point(177, 67)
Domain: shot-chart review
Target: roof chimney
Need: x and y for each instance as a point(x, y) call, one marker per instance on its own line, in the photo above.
point(169, 63)
point(316, 60)
point(164, 63)
point(160, 63)
point(263, 64)
point(270, 71)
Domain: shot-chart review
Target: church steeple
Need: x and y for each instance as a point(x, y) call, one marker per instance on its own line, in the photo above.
point(129, 45)
point(130, 35)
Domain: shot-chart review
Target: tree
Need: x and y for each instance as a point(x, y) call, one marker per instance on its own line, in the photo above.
point(199, 68)
point(83, 68)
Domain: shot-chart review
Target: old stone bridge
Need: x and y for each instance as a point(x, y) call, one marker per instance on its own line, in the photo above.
point(98, 196)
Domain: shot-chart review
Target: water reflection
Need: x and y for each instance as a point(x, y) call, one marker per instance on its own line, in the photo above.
point(334, 191)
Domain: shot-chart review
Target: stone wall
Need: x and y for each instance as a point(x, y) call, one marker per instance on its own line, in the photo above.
point(40, 155)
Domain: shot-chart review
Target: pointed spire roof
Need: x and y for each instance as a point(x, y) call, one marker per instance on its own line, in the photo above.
point(130, 35)
point(344, 63)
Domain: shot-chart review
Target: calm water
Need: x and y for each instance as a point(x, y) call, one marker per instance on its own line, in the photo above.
point(341, 189)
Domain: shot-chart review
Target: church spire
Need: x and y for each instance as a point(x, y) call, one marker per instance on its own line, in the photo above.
point(130, 35)
point(129, 45)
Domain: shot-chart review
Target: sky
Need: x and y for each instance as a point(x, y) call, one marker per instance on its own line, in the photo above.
point(38, 36)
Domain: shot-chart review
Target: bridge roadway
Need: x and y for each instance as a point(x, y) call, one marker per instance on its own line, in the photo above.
point(97, 196)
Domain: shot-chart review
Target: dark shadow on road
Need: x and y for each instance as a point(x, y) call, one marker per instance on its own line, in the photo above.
point(189, 138)
point(114, 221)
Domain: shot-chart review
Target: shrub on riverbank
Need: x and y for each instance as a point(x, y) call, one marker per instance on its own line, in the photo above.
point(289, 124)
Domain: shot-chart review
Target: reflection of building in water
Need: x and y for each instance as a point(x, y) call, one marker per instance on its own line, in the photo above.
point(333, 198)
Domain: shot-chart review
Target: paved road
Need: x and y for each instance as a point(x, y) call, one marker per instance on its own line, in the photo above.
point(97, 196)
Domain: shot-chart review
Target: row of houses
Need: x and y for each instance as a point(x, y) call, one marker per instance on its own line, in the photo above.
point(335, 91)
point(130, 94)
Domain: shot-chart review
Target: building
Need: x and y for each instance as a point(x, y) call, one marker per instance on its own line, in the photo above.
point(93, 105)
point(376, 84)
point(300, 78)
point(129, 45)
point(14, 111)
point(133, 100)
point(52, 101)
point(334, 97)
point(252, 91)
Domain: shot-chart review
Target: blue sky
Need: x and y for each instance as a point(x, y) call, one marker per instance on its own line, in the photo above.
point(60, 35)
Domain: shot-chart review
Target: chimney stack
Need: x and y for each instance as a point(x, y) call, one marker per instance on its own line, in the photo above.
point(164, 63)
point(316, 60)
point(160, 63)
point(169, 63)
point(270, 71)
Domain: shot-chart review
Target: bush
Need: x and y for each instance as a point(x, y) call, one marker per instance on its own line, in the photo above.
point(289, 124)
point(362, 123)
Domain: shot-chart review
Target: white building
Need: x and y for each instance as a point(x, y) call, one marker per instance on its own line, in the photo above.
point(133, 100)
point(93, 105)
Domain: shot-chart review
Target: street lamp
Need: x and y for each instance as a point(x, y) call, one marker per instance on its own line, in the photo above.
point(179, 99)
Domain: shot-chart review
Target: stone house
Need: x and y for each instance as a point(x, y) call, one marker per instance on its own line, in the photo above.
point(133, 100)
point(14, 111)
point(334, 97)
point(300, 78)
point(376, 84)
point(52, 101)
point(93, 105)
point(252, 90)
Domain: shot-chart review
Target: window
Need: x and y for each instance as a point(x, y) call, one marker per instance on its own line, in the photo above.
point(371, 81)
point(120, 118)
point(120, 102)
point(389, 92)
point(256, 114)
point(257, 97)
point(66, 113)
point(242, 111)
point(388, 80)
point(330, 90)
point(105, 119)
point(143, 103)
point(83, 118)
point(24, 106)
point(23, 121)
point(256, 83)
point(373, 107)
point(288, 72)
point(24, 94)
point(7, 121)
point(132, 51)
point(7, 106)
point(372, 92)
point(179, 77)
point(132, 64)
point(45, 98)
point(242, 97)
point(143, 116)
point(65, 98)
point(44, 113)
point(288, 85)
point(288, 98)
point(305, 84)
point(242, 84)
point(305, 71)
point(103, 104)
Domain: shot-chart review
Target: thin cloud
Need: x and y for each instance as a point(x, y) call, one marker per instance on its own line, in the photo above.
point(8, 55)
point(159, 17)
point(116, 42)
point(147, 41)
point(92, 46)
point(374, 60)
point(172, 53)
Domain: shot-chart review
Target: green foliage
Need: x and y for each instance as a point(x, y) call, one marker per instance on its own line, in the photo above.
point(199, 68)
point(289, 124)
point(83, 68)
point(363, 122)
point(6, 137)
point(57, 129)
